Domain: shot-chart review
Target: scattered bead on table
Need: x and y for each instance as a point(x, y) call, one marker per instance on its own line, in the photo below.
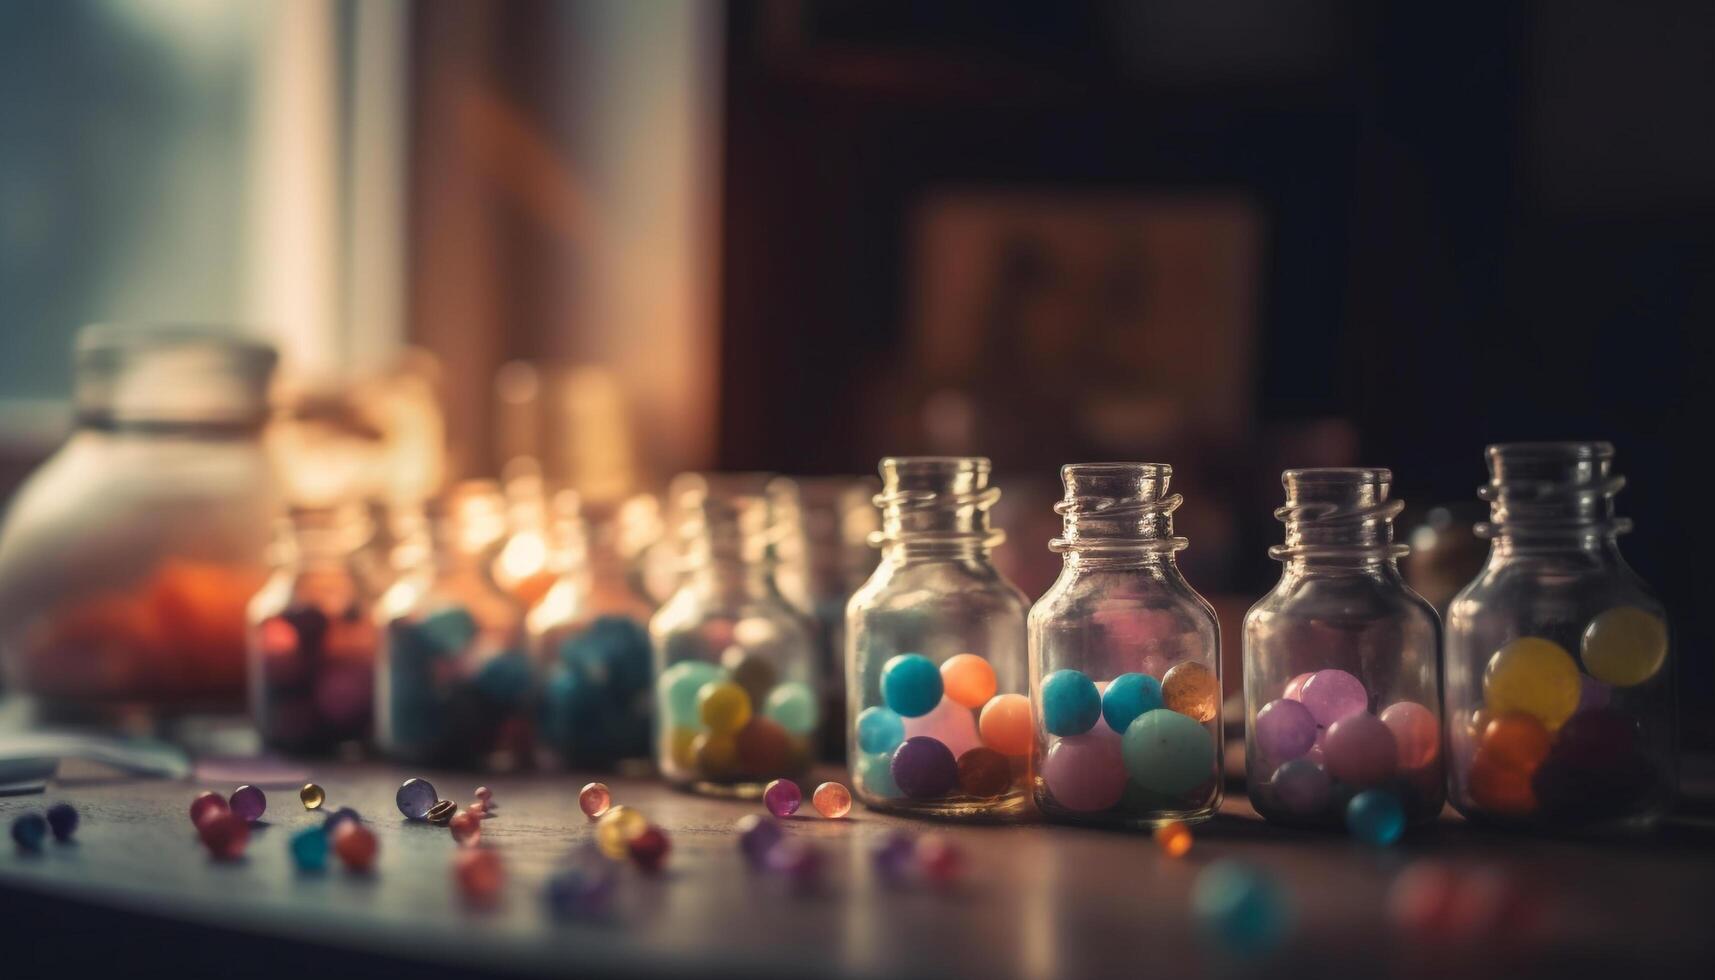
point(225, 834)
point(466, 827)
point(1239, 909)
point(309, 849)
point(479, 874)
point(62, 820)
point(782, 797)
point(616, 829)
point(757, 835)
point(355, 846)
point(799, 862)
point(594, 799)
point(832, 800)
point(940, 859)
point(29, 830)
point(649, 849)
point(206, 804)
point(582, 891)
point(343, 815)
point(248, 802)
point(893, 856)
point(1173, 838)
point(312, 796)
point(415, 798)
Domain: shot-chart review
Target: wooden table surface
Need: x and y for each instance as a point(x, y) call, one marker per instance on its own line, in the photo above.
point(1036, 901)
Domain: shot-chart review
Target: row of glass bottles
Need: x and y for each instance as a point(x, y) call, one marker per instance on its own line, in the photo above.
point(1557, 665)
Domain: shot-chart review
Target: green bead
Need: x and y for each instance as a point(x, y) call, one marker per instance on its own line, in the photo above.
point(1168, 752)
point(793, 705)
point(677, 690)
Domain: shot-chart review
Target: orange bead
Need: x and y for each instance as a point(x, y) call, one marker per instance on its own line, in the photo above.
point(1005, 724)
point(1500, 789)
point(1516, 740)
point(1174, 838)
point(832, 800)
point(479, 875)
point(355, 845)
point(466, 827)
point(968, 680)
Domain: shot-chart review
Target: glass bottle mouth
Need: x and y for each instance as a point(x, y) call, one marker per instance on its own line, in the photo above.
point(171, 376)
point(936, 500)
point(1548, 487)
point(1117, 507)
point(1338, 512)
point(324, 532)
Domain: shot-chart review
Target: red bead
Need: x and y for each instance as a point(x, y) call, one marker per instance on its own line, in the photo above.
point(649, 849)
point(479, 875)
point(466, 827)
point(940, 859)
point(206, 804)
point(355, 845)
point(225, 834)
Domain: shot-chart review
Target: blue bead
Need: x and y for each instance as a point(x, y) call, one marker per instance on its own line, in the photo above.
point(1375, 816)
point(414, 798)
point(1239, 909)
point(874, 775)
point(880, 730)
point(339, 816)
point(310, 849)
point(579, 892)
point(613, 650)
point(911, 684)
point(28, 830)
point(1128, 696)
point(1070, 703)
point(448, 631)
point(62, 818)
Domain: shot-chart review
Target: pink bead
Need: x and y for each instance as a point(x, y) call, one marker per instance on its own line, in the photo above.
point(484, 794)
point(940, 859)
point(1416, 732)
point(1295, 687)
point(594, 799)
point(782, 797)
point(1361, 750)
point(1333, 694)
point(950, 723)
point(466, 827)
point(1085, 773)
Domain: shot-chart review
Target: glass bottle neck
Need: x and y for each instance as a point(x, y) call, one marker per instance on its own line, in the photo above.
point(1338, 519)
point(1552, 498)
point(1117, 515)
point(936, 508)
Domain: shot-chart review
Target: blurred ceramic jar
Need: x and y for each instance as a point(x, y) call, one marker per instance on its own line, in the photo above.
point(128, 558)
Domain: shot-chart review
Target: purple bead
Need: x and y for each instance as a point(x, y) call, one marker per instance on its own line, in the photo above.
point(1085, 773)
point(1593, 693)
point(1285, 729)
point(1302, 786)
point(62, 820)
point(1333, 694)
point(338, 817)
point(1361, 750)
point(414, 798)
point(893, 856)
point(582, 891)
point(923, 768)
point(248, 802)
point(757, 835)
point(796, 860)
point(782, 797)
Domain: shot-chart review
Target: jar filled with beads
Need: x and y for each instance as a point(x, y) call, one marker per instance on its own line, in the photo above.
point(735, 664)
point(1560, 700)
point(454, 679)
point(935, 652)
point(1342, 692)
point(589, 636)
point(1125, 661)
point(312, 636)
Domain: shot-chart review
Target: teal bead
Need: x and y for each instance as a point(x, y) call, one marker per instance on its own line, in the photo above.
point(1375, 816)
point(1239, 909)
point(1127, 697)
point(310, 849)
point(874, 775)
point(1070, 703)
point(793, 705)
point(506, 678)
point(911, 684)
point(880, 730)
point(448, 631)
point(677, 690)
point(1168, 752)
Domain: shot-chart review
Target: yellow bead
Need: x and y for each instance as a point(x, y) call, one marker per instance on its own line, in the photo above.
point(616, 829)
point(716, 755)
point(1625, 646)
point(312, 796)
point(680, 747)
point(1191, 689)
point(723, 706)
point(1535, 676)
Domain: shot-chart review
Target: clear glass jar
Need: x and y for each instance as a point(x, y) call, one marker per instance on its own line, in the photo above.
point(1125, 661)
point(454, 680)
point(935, 653)
point(589, 636)
point(1559, 661)
point(313, 637)
point(1342, 688)
point(128, 558)
point(735, 664)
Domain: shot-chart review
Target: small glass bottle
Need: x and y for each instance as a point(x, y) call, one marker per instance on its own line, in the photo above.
point(935, 652)
point(1559, 663)
point(312, 637)
point(1342, 688)
point(454, 681)
point(589, 636)
point(735, 665)
point(1125, 661)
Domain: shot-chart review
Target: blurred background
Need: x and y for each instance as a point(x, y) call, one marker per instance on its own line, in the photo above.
point(629, 239)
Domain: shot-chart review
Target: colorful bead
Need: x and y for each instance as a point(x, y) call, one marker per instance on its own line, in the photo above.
point(1416, 731)
point(1500, 789)
point(1085, 773)
point(1360, 750)
point(681, 748)
point(1333, 694)
point(312, 796)
point(62, 820)
point(723, 706)
point(248, 802)
point(751, 670)
point(911, 684)
point(355, 846)
point(1284, 729)
point(225, 834)
point(1375, 817)
point(484, 794)
point(793, 706)
point(479, 874)
point(879, 729)
point(581, 892)
point(344, 814)
point(1625, 646)
point(615, 830)
point(763, 747)
point(441, 814)
point(832, 800)
point(951, 723)
point(649, 849)
point(594, 799)
point(874, 775)
point(893, 856)
point(309, 849)
point(941, 860)
point(1128, 696)
point(716, 754)
point(1192, 690)
point(1070, 703)
point(1006, 725)
point(782, 797)
point(1168, 751)
point(984, 773)
point(1295, 687)
point(207, 804)
point(923, 768)
point(1302, 786)
point(968, 680)
point(29, 830)
point(415, 798)
point(466, 827)
point(1535, 676)
point(1239, 909)
point(799, 862)
point(679, 686)
point(757, 835)
point(1173, 838)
